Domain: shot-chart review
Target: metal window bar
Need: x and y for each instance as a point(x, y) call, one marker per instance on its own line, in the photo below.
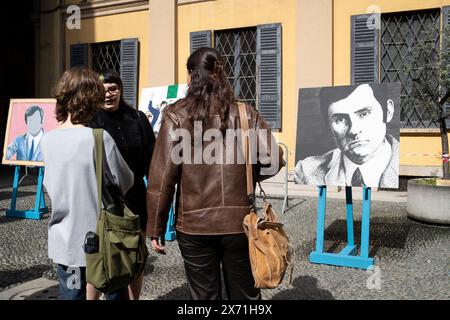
point(399, 33)
point(238, 48)
point(106, 56)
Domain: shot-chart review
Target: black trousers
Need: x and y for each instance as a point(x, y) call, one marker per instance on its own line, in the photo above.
point(136, 201)
point(205, 255)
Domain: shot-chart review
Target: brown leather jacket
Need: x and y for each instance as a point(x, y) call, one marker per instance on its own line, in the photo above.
point(211, 198)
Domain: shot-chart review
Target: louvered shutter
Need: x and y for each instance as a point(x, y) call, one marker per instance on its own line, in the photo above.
point(200, 39)
point(364, 49)
point(268, 61)
point(129, 51)
point(79, 55)
point(446, 45)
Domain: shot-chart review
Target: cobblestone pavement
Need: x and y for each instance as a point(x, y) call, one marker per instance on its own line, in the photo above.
point(413, 258)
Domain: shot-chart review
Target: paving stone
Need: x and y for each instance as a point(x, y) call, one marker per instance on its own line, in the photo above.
point(413, 258)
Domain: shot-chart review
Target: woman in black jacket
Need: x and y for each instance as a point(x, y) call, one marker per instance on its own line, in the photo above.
point(135, 139)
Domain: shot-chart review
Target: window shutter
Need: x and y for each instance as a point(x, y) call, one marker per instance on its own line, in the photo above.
point(129, 51)
point(446, 45)
point(79, 55)
point(364, 48)
point(200, 39)
point(268, 62)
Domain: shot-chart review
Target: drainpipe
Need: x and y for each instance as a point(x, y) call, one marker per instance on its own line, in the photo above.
point(62, 38)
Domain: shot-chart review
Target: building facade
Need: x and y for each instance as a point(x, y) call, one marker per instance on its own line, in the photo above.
point(272, 49)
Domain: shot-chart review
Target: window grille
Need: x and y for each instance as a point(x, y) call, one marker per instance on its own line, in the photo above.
point(399, 33)
point(238, 48)
point(106, 55)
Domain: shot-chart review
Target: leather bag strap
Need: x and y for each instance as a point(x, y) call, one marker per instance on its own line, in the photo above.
point(246, 149)
point(98, 156)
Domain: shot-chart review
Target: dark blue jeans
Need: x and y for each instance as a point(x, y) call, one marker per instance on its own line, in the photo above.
point(72, 285)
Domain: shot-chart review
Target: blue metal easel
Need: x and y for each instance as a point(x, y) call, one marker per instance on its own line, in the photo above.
point(39, 205)
point(347, 257)
point(170, 234)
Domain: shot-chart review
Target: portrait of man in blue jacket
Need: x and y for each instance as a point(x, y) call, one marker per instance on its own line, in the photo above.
point(365, 154)
point(26, 147)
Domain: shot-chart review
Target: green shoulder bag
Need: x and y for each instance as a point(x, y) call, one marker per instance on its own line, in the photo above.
point(122, 251)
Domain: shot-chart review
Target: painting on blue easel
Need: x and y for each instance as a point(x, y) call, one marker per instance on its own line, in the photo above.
point(348, 136)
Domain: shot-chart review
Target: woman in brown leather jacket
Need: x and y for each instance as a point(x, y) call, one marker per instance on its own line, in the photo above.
point(192, 152)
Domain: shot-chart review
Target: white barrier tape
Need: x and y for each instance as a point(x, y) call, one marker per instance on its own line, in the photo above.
point(423, 155)
point(445, 157)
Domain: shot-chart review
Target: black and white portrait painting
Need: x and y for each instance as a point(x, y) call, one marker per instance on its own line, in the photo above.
point(349, 136)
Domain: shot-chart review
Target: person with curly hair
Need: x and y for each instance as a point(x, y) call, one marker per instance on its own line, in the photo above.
point(70, 180)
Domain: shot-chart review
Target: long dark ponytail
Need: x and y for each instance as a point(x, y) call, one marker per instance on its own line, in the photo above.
point(209, 87)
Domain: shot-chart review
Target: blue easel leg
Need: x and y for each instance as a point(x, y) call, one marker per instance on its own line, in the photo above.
point(145, 181)
point(349, 203)
point(350, 249)
point(39, 204)
point(15, 188)
point(321, 218)
point(170, 234)
point(42, 200)
point(365, 223)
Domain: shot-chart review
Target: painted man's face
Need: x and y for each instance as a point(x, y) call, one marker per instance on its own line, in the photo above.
point(357, 124)
point(112, 96)
point(34, 123)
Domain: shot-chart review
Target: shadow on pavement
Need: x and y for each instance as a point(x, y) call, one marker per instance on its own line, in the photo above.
point(385, 232)
point(297, 203)
point(180, 293)
point(10, 277)
point(6, 195)
point(4, 219)
point(305, 288)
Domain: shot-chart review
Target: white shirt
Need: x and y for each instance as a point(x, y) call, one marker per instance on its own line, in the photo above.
point(36, 140)
point(73, 192)
point(372, 170)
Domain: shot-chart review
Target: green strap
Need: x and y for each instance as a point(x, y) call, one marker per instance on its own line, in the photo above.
point(98, 139)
